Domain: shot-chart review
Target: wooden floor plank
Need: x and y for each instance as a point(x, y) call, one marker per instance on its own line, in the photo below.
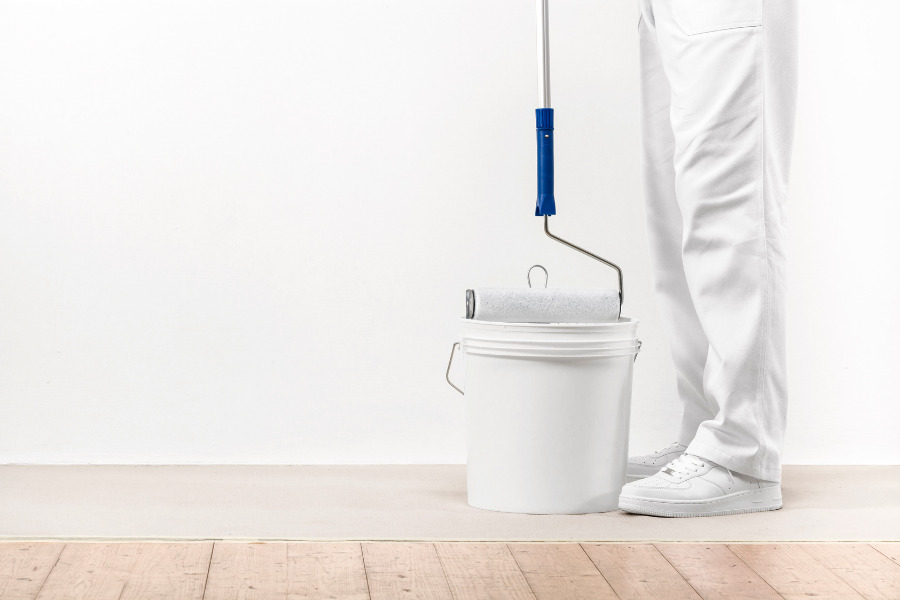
point(716, 573)
point(561, 572)
point(792, 572)
point(405, 570)
point(24, 567)
point(639, 571)
point(326, 570)
point(861, 566)
point(307, 571)
point(482, 571)
point(247, 571)
point(128, 571)
point(889, 549)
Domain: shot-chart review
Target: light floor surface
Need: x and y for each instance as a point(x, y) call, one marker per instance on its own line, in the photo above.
point(402, 502)
point(446, 571)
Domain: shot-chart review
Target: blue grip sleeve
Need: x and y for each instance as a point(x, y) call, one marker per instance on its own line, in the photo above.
point(546, 203)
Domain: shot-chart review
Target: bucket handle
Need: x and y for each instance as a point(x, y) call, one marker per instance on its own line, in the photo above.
point(449, 364)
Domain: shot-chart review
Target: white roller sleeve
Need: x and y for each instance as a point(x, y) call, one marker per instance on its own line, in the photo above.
point(543, 305)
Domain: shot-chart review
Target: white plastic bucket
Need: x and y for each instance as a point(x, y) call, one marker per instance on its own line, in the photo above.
point(548, 409)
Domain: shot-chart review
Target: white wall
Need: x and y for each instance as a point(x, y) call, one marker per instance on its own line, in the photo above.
point(240, 231)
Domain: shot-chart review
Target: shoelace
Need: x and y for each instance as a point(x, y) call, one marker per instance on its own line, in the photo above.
point(686, 464)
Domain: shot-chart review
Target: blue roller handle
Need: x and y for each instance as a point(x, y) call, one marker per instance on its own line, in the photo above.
point(546, 203)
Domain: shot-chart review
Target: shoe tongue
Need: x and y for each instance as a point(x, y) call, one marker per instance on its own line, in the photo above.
point(679, 463)
point(670, 474)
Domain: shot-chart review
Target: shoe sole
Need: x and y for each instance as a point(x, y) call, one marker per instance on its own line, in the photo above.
point(757, 500)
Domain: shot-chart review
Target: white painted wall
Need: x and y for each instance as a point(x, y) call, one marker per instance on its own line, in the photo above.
point(240, 232)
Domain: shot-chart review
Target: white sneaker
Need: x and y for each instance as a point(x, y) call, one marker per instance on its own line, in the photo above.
point(650, 464)
point(691, 486)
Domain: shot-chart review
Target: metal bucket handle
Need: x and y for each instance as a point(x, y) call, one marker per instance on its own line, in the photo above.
point(449, 364)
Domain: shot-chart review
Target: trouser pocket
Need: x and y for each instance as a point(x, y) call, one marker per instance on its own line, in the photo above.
point(705, 16)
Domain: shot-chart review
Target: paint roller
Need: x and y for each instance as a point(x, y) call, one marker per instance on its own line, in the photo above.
point(546, 305)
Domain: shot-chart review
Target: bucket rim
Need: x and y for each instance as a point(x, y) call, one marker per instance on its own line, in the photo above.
point(560, 354)
point(469, 342)
point(539, 326)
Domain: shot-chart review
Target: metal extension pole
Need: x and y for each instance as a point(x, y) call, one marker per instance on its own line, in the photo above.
point(543, 49)
point(546, 205)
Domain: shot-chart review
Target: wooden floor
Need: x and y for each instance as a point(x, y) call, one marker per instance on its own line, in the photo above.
point(446, 570)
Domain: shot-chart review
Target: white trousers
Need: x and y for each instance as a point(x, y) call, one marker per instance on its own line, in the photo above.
point(718, 89)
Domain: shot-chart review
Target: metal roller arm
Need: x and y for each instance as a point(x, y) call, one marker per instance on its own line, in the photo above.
point(592, 255)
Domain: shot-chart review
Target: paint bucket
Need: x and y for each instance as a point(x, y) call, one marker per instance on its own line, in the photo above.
point(548, 408)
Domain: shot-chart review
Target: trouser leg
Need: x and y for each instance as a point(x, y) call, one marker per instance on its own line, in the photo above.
point(687, 341)
point(731, 68)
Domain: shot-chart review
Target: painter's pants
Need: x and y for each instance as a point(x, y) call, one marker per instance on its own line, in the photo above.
point(718, 89)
